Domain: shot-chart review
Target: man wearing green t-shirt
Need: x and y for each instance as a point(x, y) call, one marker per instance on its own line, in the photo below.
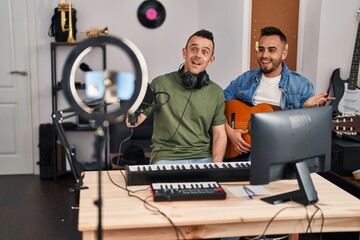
point(190, 126)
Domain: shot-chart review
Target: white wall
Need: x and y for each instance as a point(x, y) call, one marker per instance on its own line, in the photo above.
point(227, 25)
point(326, 37)
point(161, 47)
point(330, 28)
point(338, 30)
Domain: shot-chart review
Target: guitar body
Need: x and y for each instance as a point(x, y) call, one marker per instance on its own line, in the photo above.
point(347, 99)
point(350, 102)
point(339, 88)
point(238, 115)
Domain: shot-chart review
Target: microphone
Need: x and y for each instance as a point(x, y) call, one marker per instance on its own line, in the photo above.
point(147, 102)
point(84, 67)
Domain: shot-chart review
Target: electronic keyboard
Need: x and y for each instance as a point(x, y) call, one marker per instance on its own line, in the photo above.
point(187, 191)
point(199, 172)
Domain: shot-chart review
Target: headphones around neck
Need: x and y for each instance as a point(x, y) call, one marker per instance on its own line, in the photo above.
point(191, 81)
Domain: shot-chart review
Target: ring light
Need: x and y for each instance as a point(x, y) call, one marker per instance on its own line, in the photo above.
point(140, 84)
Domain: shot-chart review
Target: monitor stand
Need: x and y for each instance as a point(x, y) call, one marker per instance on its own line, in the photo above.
point(306, 195)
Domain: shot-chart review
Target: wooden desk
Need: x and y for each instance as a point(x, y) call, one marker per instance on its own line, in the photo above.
point(126, 217)
point(348, 183)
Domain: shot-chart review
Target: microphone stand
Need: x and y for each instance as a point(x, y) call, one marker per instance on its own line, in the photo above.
point(100, 135)
point(76, 169)
point(99, 143)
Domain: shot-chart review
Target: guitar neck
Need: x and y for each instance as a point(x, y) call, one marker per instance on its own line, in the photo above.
point(354, 70)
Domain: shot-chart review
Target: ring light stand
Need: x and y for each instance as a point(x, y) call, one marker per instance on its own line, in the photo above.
point(103, 118)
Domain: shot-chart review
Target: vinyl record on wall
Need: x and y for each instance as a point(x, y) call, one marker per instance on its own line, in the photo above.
point(151, 13)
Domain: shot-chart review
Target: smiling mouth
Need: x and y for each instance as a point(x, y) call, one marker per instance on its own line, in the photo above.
point(265, 61)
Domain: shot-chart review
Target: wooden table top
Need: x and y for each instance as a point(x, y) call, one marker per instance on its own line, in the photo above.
point(235, 216)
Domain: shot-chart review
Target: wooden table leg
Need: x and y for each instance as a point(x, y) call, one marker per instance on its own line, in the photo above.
point(294, 236)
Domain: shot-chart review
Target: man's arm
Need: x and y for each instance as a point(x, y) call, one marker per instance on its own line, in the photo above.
point(219, 142)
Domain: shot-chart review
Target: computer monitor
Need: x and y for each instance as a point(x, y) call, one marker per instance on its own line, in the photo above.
point(291, 144)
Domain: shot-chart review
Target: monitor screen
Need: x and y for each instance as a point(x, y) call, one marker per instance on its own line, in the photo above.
point(291, 144)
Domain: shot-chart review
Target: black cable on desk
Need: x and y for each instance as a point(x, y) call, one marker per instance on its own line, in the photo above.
point(178, 232)
point(310, 220)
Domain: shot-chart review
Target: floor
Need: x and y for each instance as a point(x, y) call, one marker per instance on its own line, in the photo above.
point(37, 209)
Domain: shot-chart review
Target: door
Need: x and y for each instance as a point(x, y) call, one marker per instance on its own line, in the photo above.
point(16, 152)
point(267, 13)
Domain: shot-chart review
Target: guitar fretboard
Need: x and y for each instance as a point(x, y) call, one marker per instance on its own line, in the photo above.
point(354, 71)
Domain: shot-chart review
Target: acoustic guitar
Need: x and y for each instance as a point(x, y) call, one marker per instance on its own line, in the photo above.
point(238, 115)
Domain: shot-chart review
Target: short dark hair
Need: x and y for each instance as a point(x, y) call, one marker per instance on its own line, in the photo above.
point(203, 34)
point(268, 31)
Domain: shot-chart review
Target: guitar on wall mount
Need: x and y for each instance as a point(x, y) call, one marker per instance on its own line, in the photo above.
point(238, 115)
point(347, 93)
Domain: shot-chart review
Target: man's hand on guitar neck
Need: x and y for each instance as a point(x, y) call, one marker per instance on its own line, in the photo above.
point(236, 139)
point(318, 100)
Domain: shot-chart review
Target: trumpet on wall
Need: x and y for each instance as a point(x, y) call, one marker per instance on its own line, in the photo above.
point(96, 32)
point(63, 8)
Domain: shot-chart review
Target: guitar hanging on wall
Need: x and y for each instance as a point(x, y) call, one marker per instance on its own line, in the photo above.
point(346, 92)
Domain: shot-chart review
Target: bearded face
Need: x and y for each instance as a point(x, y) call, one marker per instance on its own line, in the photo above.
point(270, 55)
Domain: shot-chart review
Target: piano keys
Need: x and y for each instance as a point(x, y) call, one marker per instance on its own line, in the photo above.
point(199, 172)
point(187, 191)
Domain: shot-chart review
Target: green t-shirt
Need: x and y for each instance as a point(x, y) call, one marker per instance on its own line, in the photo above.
point(181, 126)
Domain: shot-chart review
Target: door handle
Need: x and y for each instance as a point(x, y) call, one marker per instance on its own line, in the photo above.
point(22, 73)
